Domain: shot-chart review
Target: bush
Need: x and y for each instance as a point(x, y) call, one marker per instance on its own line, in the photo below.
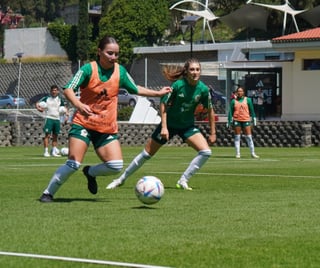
point(125, 113)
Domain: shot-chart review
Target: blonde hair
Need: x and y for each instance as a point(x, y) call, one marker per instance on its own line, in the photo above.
point(175, 72)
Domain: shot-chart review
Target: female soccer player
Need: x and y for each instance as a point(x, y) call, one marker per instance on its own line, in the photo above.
point(240, 115)
point(177, 118)
point(96, 117)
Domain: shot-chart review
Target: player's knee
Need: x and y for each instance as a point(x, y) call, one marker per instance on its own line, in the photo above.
point(146, 155)
point(115, 165)
point(206, 153)
point(73, 164)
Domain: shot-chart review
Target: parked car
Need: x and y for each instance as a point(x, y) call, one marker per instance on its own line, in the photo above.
point(125, 98)
point(9, 101)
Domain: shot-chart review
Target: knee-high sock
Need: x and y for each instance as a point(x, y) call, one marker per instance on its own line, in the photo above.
point(109, 167)
point(135, 164)
point(196, 164)
point(250, 143)
point(61, 175)
point(237, 143)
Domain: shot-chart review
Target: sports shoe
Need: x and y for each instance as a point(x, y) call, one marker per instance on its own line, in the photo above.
point(55, 153)
point(238, 156)
point(254, 156)
point(182, 184)
point(92, 183)
point(114, 184)
point(46, 154)
point(46, 198)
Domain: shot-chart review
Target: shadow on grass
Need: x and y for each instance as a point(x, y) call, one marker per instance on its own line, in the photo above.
point(144, 207)
point(69, 200)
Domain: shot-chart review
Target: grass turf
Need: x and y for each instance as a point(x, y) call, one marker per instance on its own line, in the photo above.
point(242, 212)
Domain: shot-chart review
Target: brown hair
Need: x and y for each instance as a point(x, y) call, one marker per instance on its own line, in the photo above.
point(175, 72)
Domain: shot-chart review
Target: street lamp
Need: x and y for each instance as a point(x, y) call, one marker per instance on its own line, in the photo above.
point(19, 56)
point(189, 22)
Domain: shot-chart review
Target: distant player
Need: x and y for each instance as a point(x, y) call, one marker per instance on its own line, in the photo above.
point(50, 105)
point(240, 115)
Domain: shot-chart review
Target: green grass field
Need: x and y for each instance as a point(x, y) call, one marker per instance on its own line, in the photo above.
point(241, 213)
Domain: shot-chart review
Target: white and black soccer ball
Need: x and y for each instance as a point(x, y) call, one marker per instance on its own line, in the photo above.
point(149, 190)
point(43, 105)
point(64, 151)
point(62, 110)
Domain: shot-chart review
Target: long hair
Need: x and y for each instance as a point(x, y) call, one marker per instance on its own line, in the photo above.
point(175, 72)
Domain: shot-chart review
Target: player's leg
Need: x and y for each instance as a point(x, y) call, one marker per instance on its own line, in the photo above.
point(108, 149)
point(248, 133)
point(47, 134)
point(198, 142)
point(77, 150)
point(55, 133)
point(150, 149)
point(237, 137)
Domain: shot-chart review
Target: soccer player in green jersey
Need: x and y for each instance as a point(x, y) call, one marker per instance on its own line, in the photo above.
point(177, 118)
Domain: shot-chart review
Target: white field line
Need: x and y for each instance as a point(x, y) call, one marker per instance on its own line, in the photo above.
point(245, 175)
point(60, 258)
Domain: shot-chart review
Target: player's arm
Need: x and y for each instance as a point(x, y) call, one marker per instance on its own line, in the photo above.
point(164, 128)
point(230, 114)
point(212, 123)
point(252, 113)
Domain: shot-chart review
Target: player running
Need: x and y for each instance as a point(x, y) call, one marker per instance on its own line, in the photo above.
point(177, 118)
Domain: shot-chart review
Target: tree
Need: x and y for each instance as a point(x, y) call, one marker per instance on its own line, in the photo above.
point(135, 23)
point(83, 38)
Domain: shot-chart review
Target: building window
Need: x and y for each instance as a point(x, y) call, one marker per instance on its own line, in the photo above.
point(311, 64)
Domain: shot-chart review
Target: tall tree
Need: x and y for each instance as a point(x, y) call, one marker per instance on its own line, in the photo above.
point(83, 38)
point(135, 23)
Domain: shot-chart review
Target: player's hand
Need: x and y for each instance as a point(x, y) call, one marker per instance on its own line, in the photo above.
point(164, 134)
point(165, 90)
point(84, 109)
point(212, 139)
point(255, 121)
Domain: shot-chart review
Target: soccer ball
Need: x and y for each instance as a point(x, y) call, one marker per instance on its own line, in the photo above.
point(149, 190)
point(43, 105)
point(64, 151)
point(62, 110)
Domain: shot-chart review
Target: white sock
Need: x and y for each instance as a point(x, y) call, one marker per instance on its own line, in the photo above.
point(196, 164)
point(109, 167)
point(250, 143)
point(237, 143)
point(135, 164)
point(61, 175)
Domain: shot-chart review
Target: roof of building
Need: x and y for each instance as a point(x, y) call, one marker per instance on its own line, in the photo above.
point(304, 36)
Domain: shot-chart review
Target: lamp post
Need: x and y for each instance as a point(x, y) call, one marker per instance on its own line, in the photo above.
point(189, 22)
point(19, 56)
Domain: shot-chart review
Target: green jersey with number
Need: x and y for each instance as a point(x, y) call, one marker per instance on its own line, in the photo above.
point(182, 102)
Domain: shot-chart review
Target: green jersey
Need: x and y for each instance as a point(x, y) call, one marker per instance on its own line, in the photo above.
point(182, 102)
point(82, 77)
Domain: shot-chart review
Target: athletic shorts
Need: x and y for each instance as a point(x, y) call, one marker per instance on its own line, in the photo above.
point(183, 133)
point(98, 139)
point(241, 124)
point(51, 126)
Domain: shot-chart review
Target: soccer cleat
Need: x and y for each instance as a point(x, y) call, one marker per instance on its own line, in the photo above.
point(238, 156)
point(55, 154)
point(46, 198)
point(114, 184)
point(92, 183)
point(182, 184)
point(46, 154)
point(254, 156)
